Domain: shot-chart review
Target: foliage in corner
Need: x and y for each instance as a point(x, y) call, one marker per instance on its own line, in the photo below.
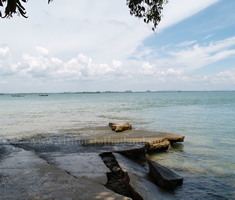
point(149, 10)
point(13, 7)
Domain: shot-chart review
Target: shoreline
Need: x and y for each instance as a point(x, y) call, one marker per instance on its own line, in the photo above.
point(80, 167)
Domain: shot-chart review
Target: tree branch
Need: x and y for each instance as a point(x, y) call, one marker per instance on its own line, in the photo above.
point(149, 10)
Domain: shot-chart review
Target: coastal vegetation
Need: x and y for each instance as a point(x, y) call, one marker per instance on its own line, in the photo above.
point(148, 10)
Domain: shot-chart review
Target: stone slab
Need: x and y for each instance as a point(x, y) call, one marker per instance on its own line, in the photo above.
point(164, 177)
point(140, 180)
point(24, 175)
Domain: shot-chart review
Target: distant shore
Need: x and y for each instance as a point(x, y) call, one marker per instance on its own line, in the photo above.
point(127, 91)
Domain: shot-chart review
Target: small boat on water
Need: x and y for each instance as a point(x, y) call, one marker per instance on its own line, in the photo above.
point(43, 95)
point(18, 95)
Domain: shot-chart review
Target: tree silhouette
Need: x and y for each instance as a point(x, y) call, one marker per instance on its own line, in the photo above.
point(149, 10)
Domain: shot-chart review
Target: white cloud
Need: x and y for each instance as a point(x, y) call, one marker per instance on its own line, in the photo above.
point(175, 69)
point(193, 79)
point(220, 55)
point(207, 37)
point(199, 56)
point(42, 51)
point(151, 70)
point(147, 69)
point(172, 72)
point(186, 43)
point(7, 67)
point(103, 30)
point(3, 82)
point(80, 68)
point(178, 10)
point(4, 51)
point(117, 64)
point(94, 41)
point(224, 77)
point(39, 66)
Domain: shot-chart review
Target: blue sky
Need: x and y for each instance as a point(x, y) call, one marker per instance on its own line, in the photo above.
point(98, 46)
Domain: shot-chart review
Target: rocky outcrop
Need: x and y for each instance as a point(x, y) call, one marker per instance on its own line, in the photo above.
point(165, 178)
point(163, 144)
point(120, 127)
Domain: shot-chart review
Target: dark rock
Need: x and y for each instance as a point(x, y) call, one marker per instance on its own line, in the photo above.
point(110, 165)
point(116, 169)
point(118, 180)
point(165, 178)
point(137, 152)
point(108, 159)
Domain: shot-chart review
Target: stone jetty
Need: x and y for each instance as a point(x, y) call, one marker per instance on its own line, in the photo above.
point(102, 166)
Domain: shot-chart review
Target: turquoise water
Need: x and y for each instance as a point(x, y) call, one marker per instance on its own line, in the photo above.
point(207, 119)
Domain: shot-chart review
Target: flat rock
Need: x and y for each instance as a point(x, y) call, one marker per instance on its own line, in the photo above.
point(120, 127)
point(164, 177)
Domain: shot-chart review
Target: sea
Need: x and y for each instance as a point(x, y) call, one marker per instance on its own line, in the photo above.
point(206, 159)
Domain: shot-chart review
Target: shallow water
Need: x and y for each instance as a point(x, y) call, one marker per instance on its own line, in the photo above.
point(205, 159)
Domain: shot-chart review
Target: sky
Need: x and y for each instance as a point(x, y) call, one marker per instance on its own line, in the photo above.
point(98, 46)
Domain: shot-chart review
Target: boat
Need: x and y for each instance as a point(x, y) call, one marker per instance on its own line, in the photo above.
point(18, 95)
point(43, 95)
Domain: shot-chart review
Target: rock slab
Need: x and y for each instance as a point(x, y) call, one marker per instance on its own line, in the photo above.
point(120, 127)
point(165, 178)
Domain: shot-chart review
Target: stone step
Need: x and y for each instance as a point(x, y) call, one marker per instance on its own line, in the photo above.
point(165, 178)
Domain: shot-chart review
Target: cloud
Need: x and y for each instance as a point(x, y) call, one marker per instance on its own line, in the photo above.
point(81, 67)
point(174, 66)
point(7, 67)
point(42, 51)
point(199, 56)
point(4, 51)
point(207, 37)
point(3, 82)
point(186, 43)
point(147, 69)
point(183, 57)
point(102, 30)
point(99, 41)
point(177, 65)
point(227, 77)
point(172, 72)
point(176, 11)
